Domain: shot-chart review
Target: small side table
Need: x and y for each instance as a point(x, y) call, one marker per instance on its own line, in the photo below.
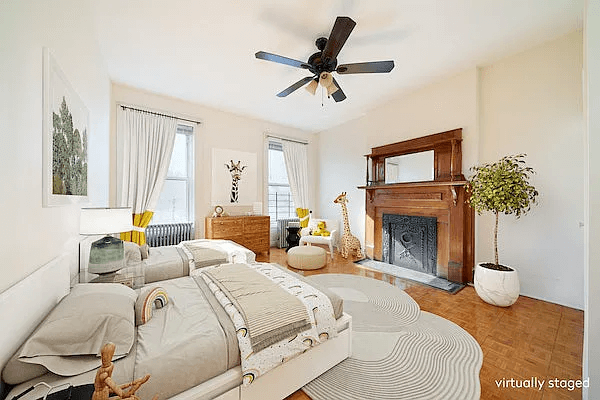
point(132, 276)
point(292, 238)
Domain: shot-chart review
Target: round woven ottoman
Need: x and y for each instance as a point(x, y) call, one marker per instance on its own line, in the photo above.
point(307, 257)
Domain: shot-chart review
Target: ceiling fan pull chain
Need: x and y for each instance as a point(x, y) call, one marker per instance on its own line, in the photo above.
point(322, 90)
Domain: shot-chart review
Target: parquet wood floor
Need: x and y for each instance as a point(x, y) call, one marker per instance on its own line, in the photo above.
point(530, 339)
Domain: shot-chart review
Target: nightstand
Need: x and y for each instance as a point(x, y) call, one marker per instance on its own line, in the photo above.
point(132, 276)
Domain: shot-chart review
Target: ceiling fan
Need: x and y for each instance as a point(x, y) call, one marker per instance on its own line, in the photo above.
point(324, 62)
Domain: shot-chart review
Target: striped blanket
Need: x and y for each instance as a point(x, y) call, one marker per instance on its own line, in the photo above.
point(276, 315)
point(249, 291)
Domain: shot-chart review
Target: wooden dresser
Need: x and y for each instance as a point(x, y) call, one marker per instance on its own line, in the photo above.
point(252, 232)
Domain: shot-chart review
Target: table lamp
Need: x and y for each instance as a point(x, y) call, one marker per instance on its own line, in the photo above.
point(106, 254)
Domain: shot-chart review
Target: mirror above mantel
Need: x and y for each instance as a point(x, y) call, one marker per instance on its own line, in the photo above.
point(428, 160)
point(415, 167)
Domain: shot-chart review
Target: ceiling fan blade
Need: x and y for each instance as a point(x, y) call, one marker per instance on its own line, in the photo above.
point(263, 55)
point(338, 95)
point(339, 34)
point(366, 67)
point(295, 86)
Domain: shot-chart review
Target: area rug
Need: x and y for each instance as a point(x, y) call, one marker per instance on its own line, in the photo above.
point(416, 276)
point(398, 351)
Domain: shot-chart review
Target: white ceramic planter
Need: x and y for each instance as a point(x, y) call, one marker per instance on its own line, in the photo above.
point(500, 288)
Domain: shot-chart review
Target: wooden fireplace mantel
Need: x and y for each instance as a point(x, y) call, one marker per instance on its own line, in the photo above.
point(444, 197)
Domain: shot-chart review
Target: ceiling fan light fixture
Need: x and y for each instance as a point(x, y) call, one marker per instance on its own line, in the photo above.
point(312, 86)
point(331, 89)
point(325, 79)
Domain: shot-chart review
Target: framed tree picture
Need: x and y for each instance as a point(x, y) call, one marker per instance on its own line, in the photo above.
point(65, 130)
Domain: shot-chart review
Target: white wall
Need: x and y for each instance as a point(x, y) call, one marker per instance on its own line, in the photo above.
point(591, 350)
point(530, 102)
point(32, 235)
point(219, 129)
point(446, 105)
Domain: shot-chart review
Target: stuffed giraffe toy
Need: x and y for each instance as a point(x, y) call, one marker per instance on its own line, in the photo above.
point(350, 243)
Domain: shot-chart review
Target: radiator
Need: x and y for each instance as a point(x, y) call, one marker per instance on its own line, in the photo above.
point(282, 224)
point(169, 234)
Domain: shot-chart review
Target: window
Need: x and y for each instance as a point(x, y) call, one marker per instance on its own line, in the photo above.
point(176, 201)
point(281, 204)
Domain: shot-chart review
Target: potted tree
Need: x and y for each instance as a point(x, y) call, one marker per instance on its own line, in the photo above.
point(500, 187)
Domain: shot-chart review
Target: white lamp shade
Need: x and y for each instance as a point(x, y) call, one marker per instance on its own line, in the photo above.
point(326, 79)
point(312, 87)
point(331, 89)
point(104, 221)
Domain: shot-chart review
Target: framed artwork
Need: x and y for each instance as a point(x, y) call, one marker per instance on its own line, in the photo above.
point(65, 130)
point(234, 177)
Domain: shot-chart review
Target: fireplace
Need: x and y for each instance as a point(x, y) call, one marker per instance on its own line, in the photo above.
point(430, 222)
point(410, 242)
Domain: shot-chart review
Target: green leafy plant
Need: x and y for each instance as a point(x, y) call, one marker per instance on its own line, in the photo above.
point(69, 154)
point(502, 187)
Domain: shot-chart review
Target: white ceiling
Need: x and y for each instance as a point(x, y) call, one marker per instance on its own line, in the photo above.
point(203, 51)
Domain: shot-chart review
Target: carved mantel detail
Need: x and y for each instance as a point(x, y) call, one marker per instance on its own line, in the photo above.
point(444, 198)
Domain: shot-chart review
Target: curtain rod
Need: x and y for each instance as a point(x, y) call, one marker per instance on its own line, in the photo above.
point(155, 113)
point(287, 139)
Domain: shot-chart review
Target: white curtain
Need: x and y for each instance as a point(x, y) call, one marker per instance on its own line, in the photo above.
point(145, 143)
point(296, 164)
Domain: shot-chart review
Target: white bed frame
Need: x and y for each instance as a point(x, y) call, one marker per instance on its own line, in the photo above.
point(24, 305)
point(284, 380)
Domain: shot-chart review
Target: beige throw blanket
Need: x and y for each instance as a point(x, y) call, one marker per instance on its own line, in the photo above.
point(204, 256)
point(271, 313)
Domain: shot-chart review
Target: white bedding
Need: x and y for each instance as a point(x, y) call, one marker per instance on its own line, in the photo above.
point(169, 262)
point(235, 252)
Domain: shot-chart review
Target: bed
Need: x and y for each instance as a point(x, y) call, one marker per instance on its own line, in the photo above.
point(189, 296)
point(168, 262)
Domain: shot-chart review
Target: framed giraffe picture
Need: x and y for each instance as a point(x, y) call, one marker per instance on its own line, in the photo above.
point(234, 177)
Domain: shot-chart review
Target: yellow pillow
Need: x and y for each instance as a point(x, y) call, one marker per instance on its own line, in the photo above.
point(321, 231)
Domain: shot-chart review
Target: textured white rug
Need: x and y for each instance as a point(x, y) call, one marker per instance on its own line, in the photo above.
point(399, 351)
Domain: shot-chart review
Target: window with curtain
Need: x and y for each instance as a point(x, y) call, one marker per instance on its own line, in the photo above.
point(176, 201)
point(281, 203)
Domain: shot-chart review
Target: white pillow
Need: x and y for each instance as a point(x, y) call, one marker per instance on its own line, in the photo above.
point(69, 340)
point(133, 253)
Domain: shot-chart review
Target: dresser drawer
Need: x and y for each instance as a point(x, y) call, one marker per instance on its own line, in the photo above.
point(251, 232)
point(256, 226)
point(223, 228)
point(256, 244)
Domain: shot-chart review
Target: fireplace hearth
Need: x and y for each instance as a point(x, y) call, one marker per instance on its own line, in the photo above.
point(410, 242)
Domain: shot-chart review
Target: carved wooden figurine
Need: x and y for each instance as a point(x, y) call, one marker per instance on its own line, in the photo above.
point(104, 385)
point(350, 243)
